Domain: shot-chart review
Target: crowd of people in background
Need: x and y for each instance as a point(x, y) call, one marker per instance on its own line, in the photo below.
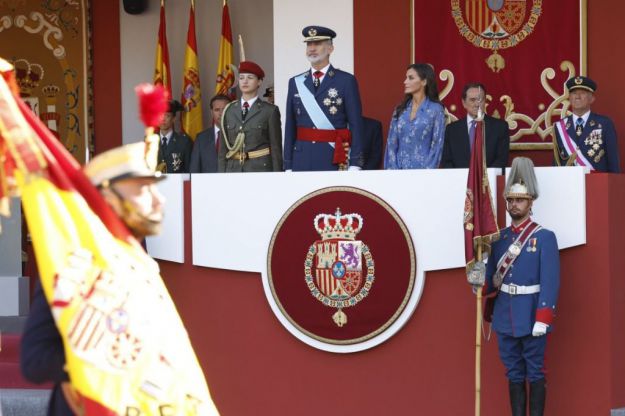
point(325, 129)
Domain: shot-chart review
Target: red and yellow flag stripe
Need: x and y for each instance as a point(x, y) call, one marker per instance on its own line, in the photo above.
point(225, 74)
point(126, 349)
point(191, 94)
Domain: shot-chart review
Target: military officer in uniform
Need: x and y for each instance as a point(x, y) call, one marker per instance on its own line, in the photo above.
point(127, 181)
point(523, 275)
point(585, 138)
point(174, 153)
point(252, 131)
point(324, 127)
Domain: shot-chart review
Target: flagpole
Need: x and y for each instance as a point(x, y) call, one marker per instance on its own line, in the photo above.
point(478, 297)
point(241, 49)
point(478, 340)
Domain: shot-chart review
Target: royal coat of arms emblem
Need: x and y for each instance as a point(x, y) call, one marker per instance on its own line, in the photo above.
point(495, 24)
point(321, 268)
point(339, 270)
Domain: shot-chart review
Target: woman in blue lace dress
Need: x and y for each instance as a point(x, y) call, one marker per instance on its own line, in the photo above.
point(416, 136)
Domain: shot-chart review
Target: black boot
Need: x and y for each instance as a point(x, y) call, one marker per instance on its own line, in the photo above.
point(538, 393)
point(517, 398)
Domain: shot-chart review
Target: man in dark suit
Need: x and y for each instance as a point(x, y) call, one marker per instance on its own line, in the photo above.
point(174, 152)
point(372, 143)
point(206, 146)
point(460, 135)
point(323, 112)
point(585, 138)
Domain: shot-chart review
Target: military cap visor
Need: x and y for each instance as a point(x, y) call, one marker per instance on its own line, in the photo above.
point(518, 190)
point(317, 33)
point(125, 162)
point(583, 83)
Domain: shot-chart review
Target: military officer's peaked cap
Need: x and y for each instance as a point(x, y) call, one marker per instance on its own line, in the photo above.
point(136, 160)
point(522, 181)
point(316, 33)
point(580, 82)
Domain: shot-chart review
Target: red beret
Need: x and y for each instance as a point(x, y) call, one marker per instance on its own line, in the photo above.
point(249, 67)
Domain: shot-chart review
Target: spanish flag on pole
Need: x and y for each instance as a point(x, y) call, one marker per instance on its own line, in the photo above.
point(162, 74)
point(191, 95)
point(126, 350)
point(225, 74)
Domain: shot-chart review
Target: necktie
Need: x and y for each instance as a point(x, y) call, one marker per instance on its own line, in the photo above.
point(217, 141)
point(472, 134)
point(317, 78)
point(246, 108)
point(163, 141)
point(579, 126)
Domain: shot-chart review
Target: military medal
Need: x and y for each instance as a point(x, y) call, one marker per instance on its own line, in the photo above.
point(514, 249)
point(532, 246)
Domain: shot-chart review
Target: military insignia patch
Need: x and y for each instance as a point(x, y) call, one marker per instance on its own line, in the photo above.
point(341, 270)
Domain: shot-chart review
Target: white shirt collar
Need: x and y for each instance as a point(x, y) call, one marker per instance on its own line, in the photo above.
point(469, 120)
point(167, 134)
point(325, 70)
point(584, 117)
point(250, 102)
point(216, 130)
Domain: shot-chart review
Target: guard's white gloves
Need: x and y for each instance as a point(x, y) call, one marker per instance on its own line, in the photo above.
point(540, 329)
point(354, 168)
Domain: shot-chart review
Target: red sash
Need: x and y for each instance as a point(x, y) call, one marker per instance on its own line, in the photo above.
point(338, 137)
point(512, 253)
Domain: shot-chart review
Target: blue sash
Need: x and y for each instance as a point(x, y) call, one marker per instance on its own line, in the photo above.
point(311, 105)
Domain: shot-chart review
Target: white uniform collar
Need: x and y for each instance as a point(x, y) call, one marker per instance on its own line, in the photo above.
point(250, 102)
point(583, 117)
point(325, 70)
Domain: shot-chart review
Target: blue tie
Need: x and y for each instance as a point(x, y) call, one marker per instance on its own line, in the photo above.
point(472, 134)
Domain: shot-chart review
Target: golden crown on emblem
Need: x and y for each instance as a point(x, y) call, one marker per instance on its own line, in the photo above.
point(338, 225)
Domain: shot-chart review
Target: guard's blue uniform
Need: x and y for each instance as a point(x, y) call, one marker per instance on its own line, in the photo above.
point(339, 99)
point(514, 315)
point(598, 142)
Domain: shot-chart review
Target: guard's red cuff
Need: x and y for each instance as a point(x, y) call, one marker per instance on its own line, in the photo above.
point(544, 315)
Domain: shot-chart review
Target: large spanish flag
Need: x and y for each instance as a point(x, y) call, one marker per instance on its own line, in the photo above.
point(225, 74)
point(191, 95)
point(162, 74)
point(126, 350)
